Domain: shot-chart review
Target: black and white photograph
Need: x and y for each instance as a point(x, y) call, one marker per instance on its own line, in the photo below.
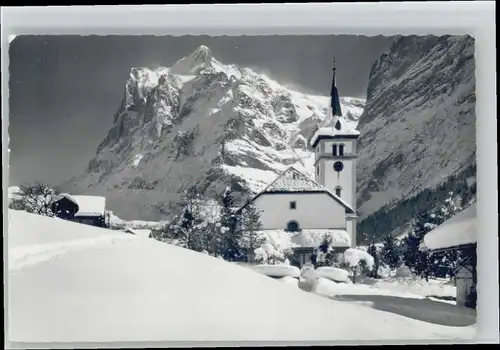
point(242, 188)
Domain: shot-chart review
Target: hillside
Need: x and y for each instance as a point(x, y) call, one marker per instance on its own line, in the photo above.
point(418, 130)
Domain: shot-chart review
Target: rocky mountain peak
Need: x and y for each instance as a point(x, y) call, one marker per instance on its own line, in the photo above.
point(202, 124)
point(199, 59)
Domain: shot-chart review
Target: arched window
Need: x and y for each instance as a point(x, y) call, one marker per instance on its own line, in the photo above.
point(338, 126)
point(338, 191)
point(341, 150)
point(334, 150)
point(317, 170)
point(292, 226)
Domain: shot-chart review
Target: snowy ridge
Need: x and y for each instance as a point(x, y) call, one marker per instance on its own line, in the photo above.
point(206, 124)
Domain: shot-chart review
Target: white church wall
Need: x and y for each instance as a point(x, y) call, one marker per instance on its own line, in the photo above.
point(313, 211)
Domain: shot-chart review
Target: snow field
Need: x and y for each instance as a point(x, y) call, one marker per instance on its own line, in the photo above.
point(103, 291)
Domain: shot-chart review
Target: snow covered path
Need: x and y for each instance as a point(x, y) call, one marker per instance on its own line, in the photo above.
point(93, 285)
point(419, 309)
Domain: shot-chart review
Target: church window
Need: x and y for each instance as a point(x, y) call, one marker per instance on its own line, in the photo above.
point(338, 126)
point(292, 226)
point(317, 170)
point(334, 150)
point(338, 166)
point(293, 205)
point(338, 191)
point(341, 150)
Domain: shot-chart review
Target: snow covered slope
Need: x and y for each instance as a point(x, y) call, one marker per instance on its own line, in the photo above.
point(72, 283)
point(201, 123)
point(418, 126)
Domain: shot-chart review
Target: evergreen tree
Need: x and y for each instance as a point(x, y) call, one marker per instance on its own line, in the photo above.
point(188, 229)
point(230, 232)
point(372, 250)
point(250, 225)
point(323, 255)
point(416, 259)
point(390, 254)
point(421, 261)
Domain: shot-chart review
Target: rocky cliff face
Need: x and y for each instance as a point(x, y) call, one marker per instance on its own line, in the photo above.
point(418, 125)
point(201, 124)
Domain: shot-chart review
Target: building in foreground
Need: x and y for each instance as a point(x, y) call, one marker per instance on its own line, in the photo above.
point(459, 234)
point(89, 210)
point(297, 211)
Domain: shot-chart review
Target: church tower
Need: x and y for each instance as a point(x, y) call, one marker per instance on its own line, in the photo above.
point(335, 157)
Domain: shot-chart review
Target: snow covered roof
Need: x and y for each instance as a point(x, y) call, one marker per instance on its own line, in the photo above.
point(313, 238)
point(332, 133)
point(459, 230)
point(90, 205)
point(67, 196)
point(306, 238)
point(14, 192)
point(292, 180)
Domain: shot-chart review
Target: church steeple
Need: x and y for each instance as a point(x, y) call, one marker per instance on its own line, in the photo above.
point(334, 96)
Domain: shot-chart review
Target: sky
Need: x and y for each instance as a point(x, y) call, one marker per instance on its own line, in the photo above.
point(64, 90)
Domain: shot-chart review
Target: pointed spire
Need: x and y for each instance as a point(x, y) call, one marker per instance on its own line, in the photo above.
point(334, 95)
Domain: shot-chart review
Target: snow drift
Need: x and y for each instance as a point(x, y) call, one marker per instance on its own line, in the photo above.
point(92, 284)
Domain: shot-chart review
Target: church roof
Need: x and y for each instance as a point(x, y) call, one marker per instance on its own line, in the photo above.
point(332, 133)
point(293, 181)
point(335, 131)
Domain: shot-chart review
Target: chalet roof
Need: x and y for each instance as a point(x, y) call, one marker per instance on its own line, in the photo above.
point(87, 205)
point(90, 205)
point(458, 231)
point(293, 181)
point(67, 196)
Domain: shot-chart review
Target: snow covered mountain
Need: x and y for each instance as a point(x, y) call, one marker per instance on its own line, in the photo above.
point(418, 125)
point(205, 124)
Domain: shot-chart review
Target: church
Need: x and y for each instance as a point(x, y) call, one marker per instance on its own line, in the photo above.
point(297, 211)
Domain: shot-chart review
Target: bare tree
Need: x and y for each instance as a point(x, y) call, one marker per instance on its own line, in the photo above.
point(36, 198)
